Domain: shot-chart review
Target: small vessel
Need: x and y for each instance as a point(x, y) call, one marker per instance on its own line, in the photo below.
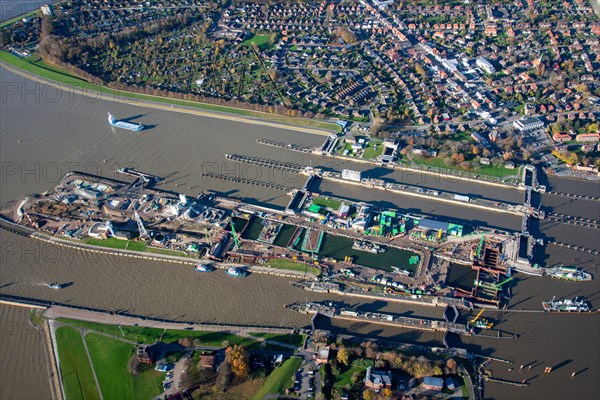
point(55, 285)
point(566, 305)
point(122, 124)
point(237, 272)
point(367, 246)
point(568, 273)
point(204, 268)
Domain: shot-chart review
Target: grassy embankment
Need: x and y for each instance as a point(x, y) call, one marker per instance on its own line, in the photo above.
point(133, 245)
point(56, 74)
point(279, 379)
point(488, 170)
point(110, 358)
point(78, 381)
point(15, 19)
point(291, 265)
point(150, 335)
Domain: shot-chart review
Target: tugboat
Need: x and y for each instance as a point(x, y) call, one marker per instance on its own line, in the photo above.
point(568, 273)
point(566, 305)
point(204, 268)
point(237, 272)
point(55, 285)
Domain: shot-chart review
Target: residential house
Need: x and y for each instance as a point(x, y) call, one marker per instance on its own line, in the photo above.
point(378, 380)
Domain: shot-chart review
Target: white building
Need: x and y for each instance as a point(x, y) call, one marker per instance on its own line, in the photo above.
point(485, 65)
point(528, 124)
point(47, 10)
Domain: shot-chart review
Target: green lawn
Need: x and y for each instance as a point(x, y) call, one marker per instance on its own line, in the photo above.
point(372, 153)
point(291, 265)
point(345, 378)
point(327, 202)
point(279, 379)
point(75, 369)
point(64, 77)
point(110, 358)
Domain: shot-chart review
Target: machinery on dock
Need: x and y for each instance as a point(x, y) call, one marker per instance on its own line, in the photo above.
point(479, 322)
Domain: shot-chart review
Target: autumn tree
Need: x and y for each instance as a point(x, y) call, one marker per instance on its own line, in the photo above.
point(343, 356)
point(387, 393)
point(239, 358)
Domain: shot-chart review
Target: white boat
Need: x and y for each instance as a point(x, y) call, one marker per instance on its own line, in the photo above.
point(204, 268)
point(122, 124)
point(55, 285)
point(237, 272)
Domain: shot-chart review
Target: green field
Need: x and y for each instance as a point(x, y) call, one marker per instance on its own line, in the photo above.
point(262, 41)
point(90, 88)
point(75, 369)
point(279, 379)
point(291, 265)
point(110, 358)
point(327, 202)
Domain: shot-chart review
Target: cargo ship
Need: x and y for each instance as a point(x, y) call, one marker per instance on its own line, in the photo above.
point(237, 272)
point(566, 305)
point(568, 273)
point(122, 124)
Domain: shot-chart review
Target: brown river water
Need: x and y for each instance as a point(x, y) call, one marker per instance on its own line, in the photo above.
point(44, 134)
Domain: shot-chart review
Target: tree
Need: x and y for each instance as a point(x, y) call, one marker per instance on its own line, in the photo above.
point(592, 128)
point(239, 359)
point(451, 365)
point(387, 393)
point(368, 394)
point(343, 356)
point(223, 376)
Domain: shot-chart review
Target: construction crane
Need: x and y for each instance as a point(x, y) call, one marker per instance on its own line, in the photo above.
point(480, 322)
point(140, 225)
point(498, 285)
point(236, 240)
point(480, 246)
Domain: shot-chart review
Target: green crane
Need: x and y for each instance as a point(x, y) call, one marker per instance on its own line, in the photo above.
point(480, 246)
point(503, 282)
point(236, 240)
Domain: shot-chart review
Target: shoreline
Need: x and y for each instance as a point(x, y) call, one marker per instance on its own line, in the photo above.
point(194, 108)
